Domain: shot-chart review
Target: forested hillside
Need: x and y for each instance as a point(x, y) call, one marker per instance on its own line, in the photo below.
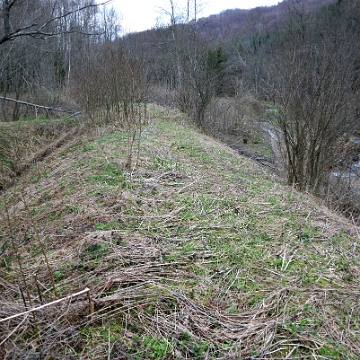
point(187, 192)
point(237, 22)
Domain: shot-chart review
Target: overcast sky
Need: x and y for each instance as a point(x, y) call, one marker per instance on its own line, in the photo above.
point(138, 15)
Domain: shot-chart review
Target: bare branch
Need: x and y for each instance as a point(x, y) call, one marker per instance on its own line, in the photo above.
point(36, 105)
point(46, 305)
point(38, 30)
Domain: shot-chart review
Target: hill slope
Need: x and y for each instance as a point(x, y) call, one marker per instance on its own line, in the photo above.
point(197, 253)
point(233, 22)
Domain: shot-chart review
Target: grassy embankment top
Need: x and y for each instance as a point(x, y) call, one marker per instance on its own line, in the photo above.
point(197, 253)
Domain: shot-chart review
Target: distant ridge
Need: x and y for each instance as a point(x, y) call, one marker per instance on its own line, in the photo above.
point(233, 22)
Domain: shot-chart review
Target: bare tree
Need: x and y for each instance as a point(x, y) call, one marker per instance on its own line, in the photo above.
point(37, 18)
point(204, 79)
point(41, 42)
point(195, 72)
point(313, 80)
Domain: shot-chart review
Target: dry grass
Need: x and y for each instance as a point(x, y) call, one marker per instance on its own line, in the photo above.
point(195, 253)
point(24, 143)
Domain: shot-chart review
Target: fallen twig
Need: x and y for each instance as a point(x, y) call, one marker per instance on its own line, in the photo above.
point(49, 108)
point(46, 305)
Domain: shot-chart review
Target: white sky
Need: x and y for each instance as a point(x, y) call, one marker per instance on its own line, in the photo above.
point(138, 15)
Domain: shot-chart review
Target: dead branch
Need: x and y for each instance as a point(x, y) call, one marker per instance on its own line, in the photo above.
point(34, 29)
point(46, 305)
point(48, 108)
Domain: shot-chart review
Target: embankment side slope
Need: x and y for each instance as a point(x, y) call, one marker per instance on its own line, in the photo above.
point(195, 253)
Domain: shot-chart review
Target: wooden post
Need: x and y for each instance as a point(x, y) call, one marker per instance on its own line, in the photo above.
point(91, 304)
